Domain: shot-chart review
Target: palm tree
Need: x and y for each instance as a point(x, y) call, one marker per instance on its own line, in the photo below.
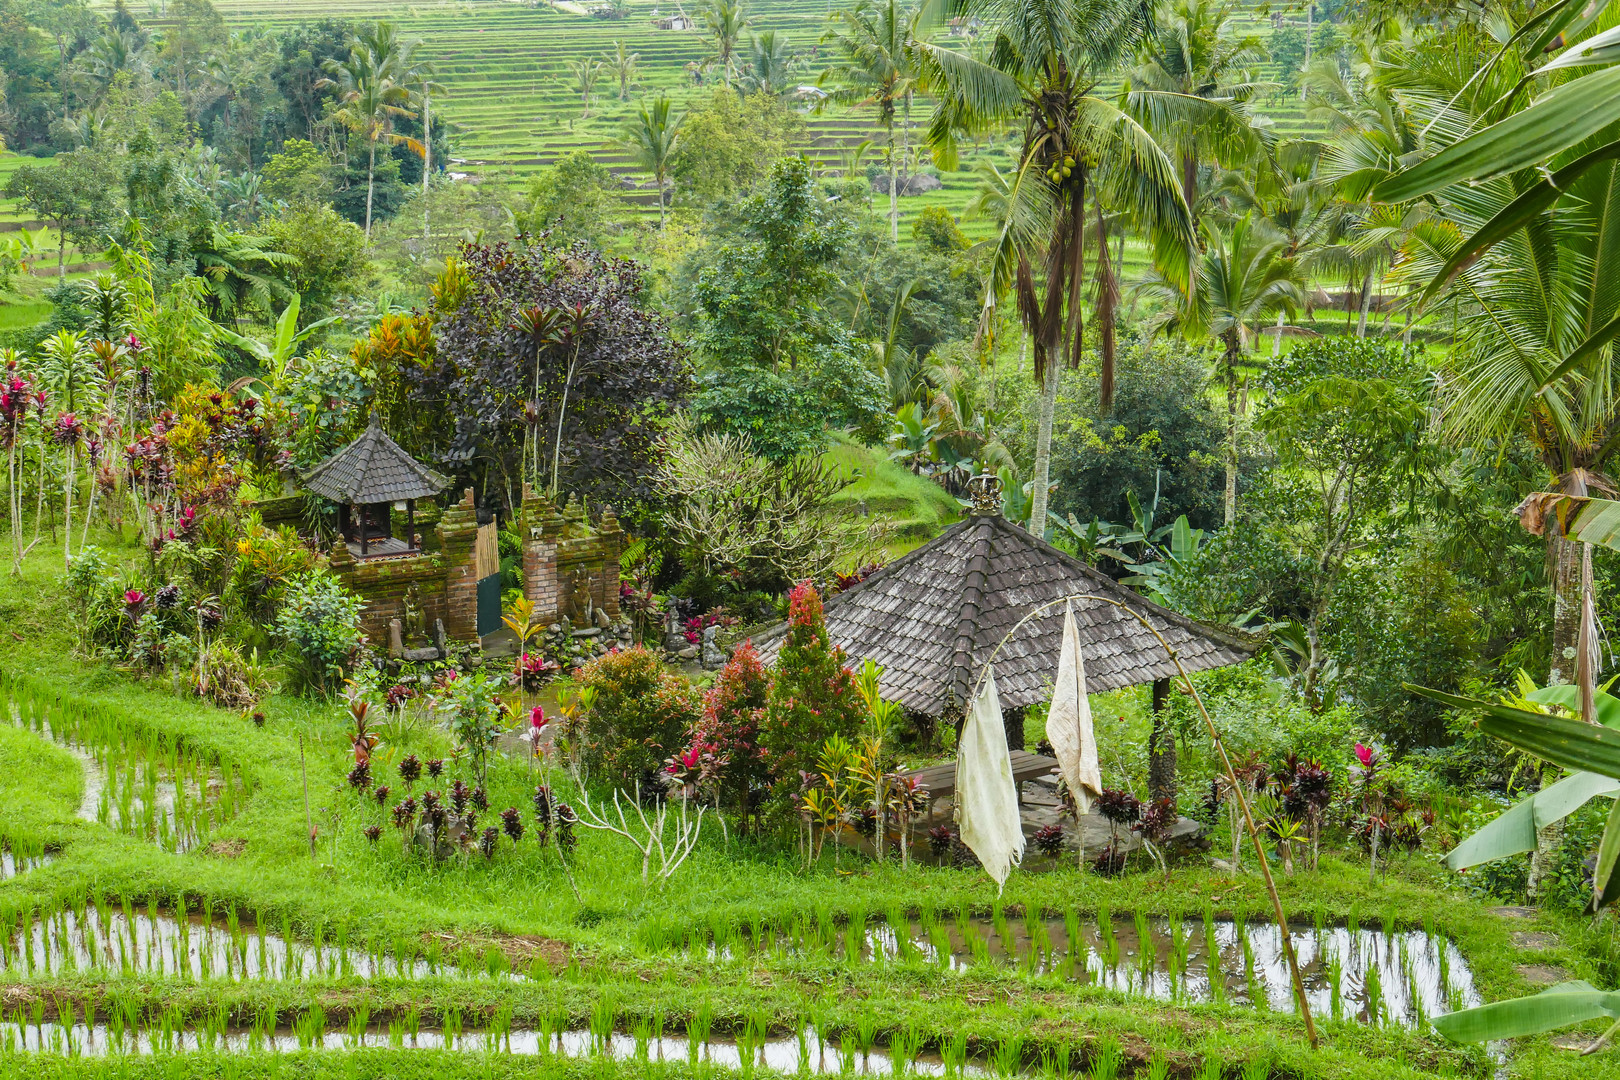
point(623, 64)
point(653, 139)
point(876, 64)
point(372, 94)
point(113, 52)
point(424, 86)
point(1041, 71)
point(1193, 87)
point(726, 24)
point(1535, 314)
point(586, 73)
point(768, 68)
point(1289, 192)
point(1242, 276)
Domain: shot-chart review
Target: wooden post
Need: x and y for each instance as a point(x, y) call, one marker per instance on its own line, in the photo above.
point(410, 524)
point(363, 515)
point(1161, 746)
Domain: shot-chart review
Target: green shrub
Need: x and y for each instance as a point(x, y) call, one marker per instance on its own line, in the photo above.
point(813, 695)
point(639, 716)
point(320, 624)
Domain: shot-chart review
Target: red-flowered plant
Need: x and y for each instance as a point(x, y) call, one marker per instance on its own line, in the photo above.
point(813, 695)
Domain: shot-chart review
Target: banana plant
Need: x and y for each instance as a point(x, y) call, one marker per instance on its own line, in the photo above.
point(1585, 748)
point(277, 357)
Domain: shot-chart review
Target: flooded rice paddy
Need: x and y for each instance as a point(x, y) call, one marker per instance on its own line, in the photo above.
point(802, 1052)
point(1374, 976)
point(146, 941)
point(149, 788)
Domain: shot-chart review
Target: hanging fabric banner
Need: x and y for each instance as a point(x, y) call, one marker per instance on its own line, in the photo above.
point(1068, 721)
point(986, 797)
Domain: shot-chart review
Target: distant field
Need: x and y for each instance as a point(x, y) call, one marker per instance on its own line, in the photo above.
point(512, 111)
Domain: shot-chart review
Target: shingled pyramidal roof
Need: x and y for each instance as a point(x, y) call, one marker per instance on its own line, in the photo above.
point(933, 616)
point(373, 469)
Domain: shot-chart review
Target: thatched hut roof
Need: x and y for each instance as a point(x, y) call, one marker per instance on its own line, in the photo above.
point(933, 616)
point(373, 469)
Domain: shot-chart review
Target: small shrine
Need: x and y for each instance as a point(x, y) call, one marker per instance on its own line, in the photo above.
point(368, 479)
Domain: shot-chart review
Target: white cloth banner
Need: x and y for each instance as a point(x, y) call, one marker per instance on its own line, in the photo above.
point(1068, 722)
point(986, 798)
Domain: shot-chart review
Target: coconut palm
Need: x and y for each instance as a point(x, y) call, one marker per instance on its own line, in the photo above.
point(875, 64)
point(113, 52)
point(1041, 71)
point(1287, 190)
point(623, 65)
point(586, 74)
point(652, 139)
point(1193, 89)
point(419, 76)
point(768, 65)
point(372, 94)
point(1242, 276)
point(726, 23)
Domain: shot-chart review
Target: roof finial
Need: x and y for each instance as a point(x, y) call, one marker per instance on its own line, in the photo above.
point(985, 490)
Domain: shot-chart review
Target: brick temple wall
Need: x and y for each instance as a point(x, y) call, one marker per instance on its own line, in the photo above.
point(569, 567)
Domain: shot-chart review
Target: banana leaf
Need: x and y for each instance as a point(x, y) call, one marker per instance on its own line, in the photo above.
point(1605, 882)
point(1514, 830)
point(1605, 706)
point(1559, 119)
point(1575, 745)
point(1555, 1007)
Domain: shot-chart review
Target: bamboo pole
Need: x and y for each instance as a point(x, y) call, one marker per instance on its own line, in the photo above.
point(1226, 764)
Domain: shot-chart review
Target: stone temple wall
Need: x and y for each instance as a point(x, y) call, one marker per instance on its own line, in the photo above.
point(570, 568)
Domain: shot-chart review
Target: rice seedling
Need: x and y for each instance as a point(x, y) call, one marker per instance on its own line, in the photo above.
point(1008, 1057)
point(954, 1053)
point(1105, 1060)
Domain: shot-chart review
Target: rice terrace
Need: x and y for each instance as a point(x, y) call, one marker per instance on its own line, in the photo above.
point(709, 539)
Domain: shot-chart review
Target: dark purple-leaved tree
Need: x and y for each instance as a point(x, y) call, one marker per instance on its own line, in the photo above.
point(550, 371)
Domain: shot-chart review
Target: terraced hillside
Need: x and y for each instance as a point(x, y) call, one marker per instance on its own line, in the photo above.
point(513, 109)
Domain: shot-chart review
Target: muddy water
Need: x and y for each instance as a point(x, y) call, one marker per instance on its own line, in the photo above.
point(1405, 977)
point(113, 939)
point(804, 1052)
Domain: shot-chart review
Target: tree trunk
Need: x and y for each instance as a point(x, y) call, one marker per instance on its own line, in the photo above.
point(61, 252)
point(1161, 746)
point(371, 173)
point(1043, 446)
point(1229, 362)
point(659, 176)
point(1189, 183)
point(1564, 565)
point(1310, 32)
point(894, 207)
point(1366, 302)
point(427, 161)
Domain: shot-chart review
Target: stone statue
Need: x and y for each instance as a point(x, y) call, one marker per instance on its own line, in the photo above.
point(415, 619)
point(713, 655)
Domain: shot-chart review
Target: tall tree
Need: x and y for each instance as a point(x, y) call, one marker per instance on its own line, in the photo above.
point(1240, 278)
point(623, 64)
point(768, 65)
point(1041, 71)
point(653, 138)
point(373, 93)
point(1520, 160)
point(586, 74)
point(877, 64)
point(1193, 89)
point(726, 23)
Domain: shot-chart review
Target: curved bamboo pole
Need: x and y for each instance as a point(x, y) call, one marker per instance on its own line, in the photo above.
point(1226, 764)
